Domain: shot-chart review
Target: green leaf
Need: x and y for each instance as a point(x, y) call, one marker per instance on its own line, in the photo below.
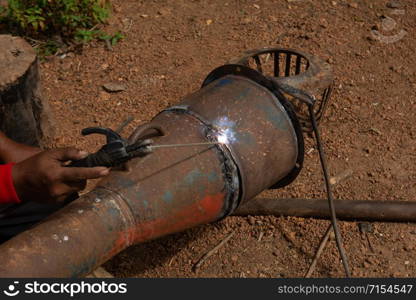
point(116, 38)
point(71, 19)
point(105, 37)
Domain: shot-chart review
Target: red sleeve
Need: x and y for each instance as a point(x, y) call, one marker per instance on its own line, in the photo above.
point(7, 192)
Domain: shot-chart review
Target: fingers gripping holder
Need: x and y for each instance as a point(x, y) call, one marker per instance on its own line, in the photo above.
point(115, 152)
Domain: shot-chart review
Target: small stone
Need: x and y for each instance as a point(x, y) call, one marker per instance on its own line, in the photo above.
point(365, 227)
point(234, 258)
point(375, 130)
point(291, 236)
point(246, 21)
point(376, 27)
point(114, 87)
point(256, 6)
point(164, 11)
point(209, 22)
point(393, 4)
point(103, 96)
point(251, 220)
point(353, 5)
point(394, 68)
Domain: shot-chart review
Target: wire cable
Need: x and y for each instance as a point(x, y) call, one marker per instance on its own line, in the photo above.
point(334, 222)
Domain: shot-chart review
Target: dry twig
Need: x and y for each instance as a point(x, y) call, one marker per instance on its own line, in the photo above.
point(260, 236)
point(212, 251)
point(341, 176)
point(319, 251)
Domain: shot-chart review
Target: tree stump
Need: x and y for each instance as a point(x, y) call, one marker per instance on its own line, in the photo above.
point(24, 114)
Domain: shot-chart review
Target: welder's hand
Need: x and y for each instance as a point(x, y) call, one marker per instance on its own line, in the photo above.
point(45, 178)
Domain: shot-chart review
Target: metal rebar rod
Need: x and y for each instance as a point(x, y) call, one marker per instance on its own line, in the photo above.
point(363, 210)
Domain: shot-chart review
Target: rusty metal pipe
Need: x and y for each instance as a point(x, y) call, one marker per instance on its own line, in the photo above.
point(364, 210)
point(171, 189)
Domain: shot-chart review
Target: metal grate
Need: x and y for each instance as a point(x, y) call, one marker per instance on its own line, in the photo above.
point(298, 74)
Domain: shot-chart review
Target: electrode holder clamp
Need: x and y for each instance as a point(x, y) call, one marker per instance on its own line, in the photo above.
point(115, 152)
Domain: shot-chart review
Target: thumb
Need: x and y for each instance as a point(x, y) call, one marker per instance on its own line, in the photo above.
point(71, 153)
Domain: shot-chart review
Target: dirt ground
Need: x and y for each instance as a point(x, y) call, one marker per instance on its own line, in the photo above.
point(171, 45)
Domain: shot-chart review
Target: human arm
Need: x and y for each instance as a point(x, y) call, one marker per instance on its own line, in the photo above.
point(11, 151)
point(45, 177)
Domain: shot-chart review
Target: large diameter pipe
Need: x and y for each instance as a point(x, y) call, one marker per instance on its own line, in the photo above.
point(171, 189)
point(367, 210)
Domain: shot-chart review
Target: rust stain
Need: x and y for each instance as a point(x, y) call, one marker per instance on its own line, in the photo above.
point(203, 211)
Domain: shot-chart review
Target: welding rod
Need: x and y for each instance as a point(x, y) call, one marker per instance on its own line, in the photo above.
point(183, 145)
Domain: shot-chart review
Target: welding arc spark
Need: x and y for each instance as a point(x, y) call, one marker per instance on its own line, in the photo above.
point(225, 133)
point(222, 137)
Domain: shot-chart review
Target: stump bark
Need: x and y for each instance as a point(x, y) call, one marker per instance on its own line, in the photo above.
point(24, 113)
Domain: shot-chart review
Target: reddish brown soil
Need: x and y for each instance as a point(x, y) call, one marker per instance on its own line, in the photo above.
point(172, 45)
